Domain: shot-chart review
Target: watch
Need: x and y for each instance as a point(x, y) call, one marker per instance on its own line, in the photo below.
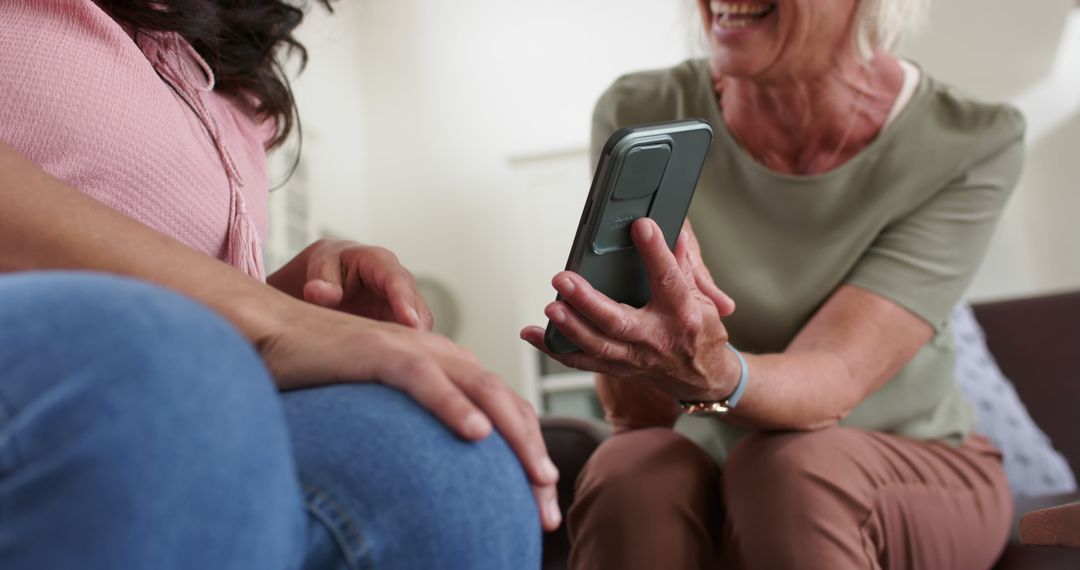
point(715, 408)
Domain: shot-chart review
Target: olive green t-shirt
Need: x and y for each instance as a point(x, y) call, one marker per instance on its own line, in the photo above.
point(908, 218)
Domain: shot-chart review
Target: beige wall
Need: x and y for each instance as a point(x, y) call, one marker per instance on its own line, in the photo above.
point(1037, 246)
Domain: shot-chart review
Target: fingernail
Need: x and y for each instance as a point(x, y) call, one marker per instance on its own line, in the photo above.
point(556, 314)
point(553, 513)
point(548, 470)
point(565, 286)
point(414, 316)
point(476, 425)
point(645, 230)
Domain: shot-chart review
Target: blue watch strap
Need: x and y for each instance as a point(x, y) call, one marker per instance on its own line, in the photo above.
point(744, 375)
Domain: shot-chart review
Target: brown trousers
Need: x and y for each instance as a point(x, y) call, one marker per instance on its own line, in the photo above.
point(833, 499)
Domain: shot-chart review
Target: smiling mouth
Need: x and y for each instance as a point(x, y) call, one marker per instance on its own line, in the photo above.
point(740, 14)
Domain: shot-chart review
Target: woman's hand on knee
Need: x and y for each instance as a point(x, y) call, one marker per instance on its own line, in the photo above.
point(319, 346)
point(362, 280)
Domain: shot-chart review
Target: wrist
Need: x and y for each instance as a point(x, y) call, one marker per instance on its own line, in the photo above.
point(259, 313)
point(726, 375)
point(713, 404)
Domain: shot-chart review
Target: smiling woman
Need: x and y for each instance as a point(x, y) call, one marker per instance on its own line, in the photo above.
point(787, 399)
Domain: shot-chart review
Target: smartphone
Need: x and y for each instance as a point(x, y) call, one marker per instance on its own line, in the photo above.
point(644, 171)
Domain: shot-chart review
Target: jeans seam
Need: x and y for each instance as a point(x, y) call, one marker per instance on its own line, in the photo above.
point(8, 418)
point(341, 525)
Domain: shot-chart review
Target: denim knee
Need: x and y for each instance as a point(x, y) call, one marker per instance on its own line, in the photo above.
point(144, 431)
point(401, 490)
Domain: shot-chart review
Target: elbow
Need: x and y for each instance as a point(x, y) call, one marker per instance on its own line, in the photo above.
point(825, 419)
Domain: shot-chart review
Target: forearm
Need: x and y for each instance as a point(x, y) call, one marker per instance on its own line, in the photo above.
point(45, 224)
point(802, 390)
point(785, 391)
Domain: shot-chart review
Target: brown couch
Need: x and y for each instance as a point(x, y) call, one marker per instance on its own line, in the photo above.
point(1036, 342)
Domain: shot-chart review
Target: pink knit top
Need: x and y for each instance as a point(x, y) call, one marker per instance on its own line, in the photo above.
point(135, 124)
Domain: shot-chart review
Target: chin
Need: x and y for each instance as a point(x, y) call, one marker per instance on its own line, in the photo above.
point(729, 64)
point(742, 34)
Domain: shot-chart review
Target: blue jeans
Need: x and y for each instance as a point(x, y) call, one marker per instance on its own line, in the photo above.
point(139, 430)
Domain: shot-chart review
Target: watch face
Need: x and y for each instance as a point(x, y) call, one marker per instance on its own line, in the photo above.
point(705, 409)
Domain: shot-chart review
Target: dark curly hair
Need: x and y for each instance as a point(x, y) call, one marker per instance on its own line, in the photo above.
point(245, 42)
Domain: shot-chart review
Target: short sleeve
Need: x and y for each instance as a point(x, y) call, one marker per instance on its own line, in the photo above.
point(925, 260)
point(638, 98)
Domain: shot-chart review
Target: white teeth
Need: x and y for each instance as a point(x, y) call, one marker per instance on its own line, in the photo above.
point(732, 9)
point(728, 24)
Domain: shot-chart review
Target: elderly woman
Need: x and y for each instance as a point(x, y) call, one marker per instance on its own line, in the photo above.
point(844, 206)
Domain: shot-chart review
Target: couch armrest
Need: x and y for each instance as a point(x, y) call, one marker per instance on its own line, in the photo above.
point(1036, 343)
point(1053, 526)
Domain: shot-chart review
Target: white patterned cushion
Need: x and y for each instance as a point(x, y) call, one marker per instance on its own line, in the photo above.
point(1032, 465)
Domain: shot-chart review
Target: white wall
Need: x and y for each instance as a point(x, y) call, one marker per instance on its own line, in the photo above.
point(331, 101)
point(423, 117)
point(435, 99)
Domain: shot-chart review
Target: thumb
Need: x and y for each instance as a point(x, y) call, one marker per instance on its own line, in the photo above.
point(323, 286)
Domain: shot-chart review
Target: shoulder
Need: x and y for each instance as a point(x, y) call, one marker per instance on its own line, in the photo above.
point(69, 74)
point(967, 129)
point(55, 52)
point(654, 95)
point(947, 139)
point(54, 32)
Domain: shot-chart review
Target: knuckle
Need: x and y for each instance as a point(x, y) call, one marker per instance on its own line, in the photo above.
point(317, 263)
point(321, 246)
point(670, 277)
point(489, 382)
point(472, 358)
point(444, 344)
point(603, 351)
point(622, 326)
point(525, 409)
point(691, 323)
point(414, 365)
point(403, 280)
point(384, 255)
point(573, 360)
point(518, 430)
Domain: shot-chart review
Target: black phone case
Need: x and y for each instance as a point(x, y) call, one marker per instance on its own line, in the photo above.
point(644, 171)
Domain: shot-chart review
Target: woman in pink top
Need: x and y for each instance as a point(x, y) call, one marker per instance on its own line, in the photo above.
point(138, 427)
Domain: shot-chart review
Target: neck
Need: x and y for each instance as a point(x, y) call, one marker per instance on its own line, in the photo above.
point(813, 124)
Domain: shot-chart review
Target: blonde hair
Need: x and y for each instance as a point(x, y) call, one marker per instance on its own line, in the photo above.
point(881, 24)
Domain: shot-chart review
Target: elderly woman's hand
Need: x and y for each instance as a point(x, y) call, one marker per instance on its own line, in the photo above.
point(675, 342)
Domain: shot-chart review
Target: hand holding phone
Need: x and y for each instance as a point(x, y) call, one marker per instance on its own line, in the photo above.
point(644, 171)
